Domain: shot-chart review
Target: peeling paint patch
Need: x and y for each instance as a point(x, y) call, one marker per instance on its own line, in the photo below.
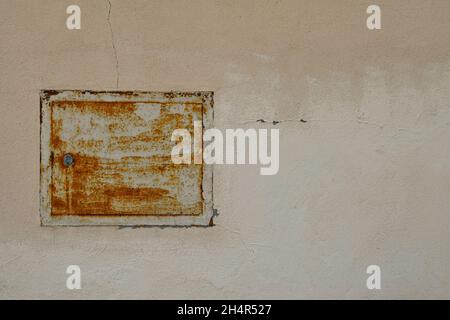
point(105, 159)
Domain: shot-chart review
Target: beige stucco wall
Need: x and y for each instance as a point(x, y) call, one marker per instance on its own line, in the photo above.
point(365, 180)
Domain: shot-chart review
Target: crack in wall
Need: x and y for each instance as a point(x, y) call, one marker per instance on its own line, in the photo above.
point(113, 44)
point(274, 122)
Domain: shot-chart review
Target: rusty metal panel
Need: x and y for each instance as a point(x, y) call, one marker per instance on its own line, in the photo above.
point(106, 159)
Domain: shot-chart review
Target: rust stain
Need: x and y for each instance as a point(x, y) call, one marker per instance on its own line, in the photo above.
point(121, 159)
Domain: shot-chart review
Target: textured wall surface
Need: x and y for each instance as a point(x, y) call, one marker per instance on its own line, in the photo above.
point(365, 180)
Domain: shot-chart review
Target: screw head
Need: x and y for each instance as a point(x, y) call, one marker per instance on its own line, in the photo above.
point(68, 160)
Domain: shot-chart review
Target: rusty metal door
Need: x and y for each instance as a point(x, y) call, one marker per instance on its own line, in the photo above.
point(106, 159)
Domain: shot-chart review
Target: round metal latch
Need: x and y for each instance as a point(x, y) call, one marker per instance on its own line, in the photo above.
point(68, 160)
